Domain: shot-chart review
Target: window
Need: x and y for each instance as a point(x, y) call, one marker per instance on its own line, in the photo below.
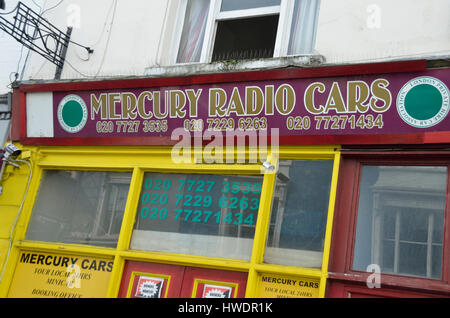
point(392, 218)
point(299, 213)
point(245, 38)
point(199, 214)
point(229, 29)
point(112, 208)
point(400, 222)
point(82, 207)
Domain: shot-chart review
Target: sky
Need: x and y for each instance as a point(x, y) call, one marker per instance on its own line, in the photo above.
point(12, 56)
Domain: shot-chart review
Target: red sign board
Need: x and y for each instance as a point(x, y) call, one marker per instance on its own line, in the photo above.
point(331, 108)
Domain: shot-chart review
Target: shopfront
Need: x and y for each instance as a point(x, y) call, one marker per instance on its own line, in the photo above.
point(228, 185)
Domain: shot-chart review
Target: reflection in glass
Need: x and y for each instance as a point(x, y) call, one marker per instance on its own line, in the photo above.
point(400, 219)
point(82, 207)
point(208, 215)
point(299, 213)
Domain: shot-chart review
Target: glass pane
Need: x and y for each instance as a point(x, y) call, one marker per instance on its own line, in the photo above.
point(299, 213)
point(413, 225)
point(199, 214)
point(401, 219)
point(245, 38)
point(82, 207)
point(412, 258)
point(436, 266)
point(229, 5)
point(388, 255)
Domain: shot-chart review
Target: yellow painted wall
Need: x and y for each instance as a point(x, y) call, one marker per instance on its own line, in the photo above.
point(14, 182)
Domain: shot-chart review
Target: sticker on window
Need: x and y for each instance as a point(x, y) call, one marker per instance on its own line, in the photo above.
point(149, 287)
point(215, 291)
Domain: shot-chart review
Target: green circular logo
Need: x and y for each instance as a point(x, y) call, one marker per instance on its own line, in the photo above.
point(423, 102)
point(72, 113)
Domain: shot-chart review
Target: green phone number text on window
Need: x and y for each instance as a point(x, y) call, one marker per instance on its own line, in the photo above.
point(200, 201)
point(188, 200)
point(198, 216)
point(201, 186)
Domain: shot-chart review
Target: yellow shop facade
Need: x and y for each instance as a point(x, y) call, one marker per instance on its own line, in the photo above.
point(226, 185)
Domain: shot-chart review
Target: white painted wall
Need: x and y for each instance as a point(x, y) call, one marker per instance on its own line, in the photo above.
point(128, 37)
point(124, 35)
point(372, 30)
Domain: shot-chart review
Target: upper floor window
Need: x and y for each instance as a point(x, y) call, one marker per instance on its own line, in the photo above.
point(235, 30)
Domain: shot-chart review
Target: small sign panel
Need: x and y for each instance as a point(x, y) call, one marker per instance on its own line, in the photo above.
point(149, 287)
point(216, 291)
point(48, 275)
point(275, 286)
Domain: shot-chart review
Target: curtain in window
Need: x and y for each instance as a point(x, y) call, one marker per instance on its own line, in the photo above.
point(193, 31)
point(303, 28)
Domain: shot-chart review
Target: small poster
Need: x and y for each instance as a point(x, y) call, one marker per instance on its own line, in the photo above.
point(49, 275)
point(149, 287)
point(278, 286)
point(215, 291)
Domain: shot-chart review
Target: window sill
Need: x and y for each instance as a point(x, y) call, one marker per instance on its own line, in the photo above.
point(235, 66)
point(394, 281)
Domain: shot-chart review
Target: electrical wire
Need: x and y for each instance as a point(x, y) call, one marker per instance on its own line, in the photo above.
point(104, 25)
point(20, 59)
point(37, 5)
point(21, 50)
point(88, 48)
point(51, 8)
point(109, 37)
point(85, 47)
point(5, 13)
point(85, 75)
point(98, 39)
point(81, 58)
point(41, 13)
point(112, 8)
point(17, 69)
point(80, 73)
point(13, 228)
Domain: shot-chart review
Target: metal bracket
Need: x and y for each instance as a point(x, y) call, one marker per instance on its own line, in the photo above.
point(39, 35)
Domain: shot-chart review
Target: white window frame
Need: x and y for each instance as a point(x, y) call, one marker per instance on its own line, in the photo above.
point(285, 11)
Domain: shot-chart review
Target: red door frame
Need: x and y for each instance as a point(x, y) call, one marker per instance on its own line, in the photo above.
point(181, 281)
point(342, 276)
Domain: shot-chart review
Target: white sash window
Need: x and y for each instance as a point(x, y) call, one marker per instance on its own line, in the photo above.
point(235, 30)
